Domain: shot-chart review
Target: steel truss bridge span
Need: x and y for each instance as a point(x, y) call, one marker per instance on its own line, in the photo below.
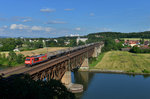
point(56, 68)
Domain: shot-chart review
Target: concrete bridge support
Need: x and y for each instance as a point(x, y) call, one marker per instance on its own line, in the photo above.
point(99, 49)
point(95, 54)
point(66, 80)
point(85, 64)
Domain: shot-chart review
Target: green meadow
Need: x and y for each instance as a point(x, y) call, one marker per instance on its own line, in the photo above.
point(125, 61)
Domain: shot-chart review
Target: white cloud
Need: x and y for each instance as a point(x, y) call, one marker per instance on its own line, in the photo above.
point(68, 9)
point(92, 14)
point(40, 28)
point(47, 10)
point(78, 28)
point(56, 22)
point(36, 28)
point(30, 28)
point(17, 18)
point(48, 29)
point(5, 26)
point(105, 29)
point(26, 20)
point(19, 26)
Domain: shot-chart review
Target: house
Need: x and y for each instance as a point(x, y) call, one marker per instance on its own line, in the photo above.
point(132, 42)
point(99, 36)
point(67, 42)
point(74, 35)
point(81, 39)
point(117, 41)
point(30, 40)
point(146, 42)
point(56, 40)
point(16, 50)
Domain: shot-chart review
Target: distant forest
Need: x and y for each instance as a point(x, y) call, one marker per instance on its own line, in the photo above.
point(113, 35)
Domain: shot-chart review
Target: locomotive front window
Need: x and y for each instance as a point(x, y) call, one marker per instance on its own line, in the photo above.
point(27, 59)
point(36, 59)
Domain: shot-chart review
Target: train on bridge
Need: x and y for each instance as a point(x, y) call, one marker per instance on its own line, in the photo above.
point(33, 60)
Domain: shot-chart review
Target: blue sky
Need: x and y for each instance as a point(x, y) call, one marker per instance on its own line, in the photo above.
point(54, 18)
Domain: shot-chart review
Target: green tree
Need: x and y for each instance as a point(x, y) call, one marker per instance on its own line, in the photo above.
point(135, 49)
point(12, 56)
point(142, 41)
point(20, 58)
point(73, 43)
point(81, 42)
point(8, 44)
point(19, 42)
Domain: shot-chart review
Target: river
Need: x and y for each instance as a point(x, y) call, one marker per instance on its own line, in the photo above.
point(112, 86)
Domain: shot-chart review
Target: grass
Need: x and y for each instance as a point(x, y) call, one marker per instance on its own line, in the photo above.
point(96, 61)
point(125, 61)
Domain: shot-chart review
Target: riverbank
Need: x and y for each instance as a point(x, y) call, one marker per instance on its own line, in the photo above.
point(122, 62)
point(116, 72)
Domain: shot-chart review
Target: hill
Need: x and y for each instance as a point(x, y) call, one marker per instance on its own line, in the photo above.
point(145, 34)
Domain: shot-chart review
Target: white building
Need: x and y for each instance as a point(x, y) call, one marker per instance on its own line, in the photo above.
point(56, 40)
point(81, 39)
point(16, 50)
point(67, 42)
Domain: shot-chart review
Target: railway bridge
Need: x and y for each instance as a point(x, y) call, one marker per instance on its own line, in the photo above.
point(60, 68)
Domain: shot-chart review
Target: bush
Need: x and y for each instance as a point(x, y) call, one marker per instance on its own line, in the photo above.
point(92, 59)
point(145, 71)
point(130, 71)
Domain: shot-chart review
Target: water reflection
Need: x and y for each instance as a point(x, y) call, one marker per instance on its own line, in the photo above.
point(133, 75)
point(112, 86)
point(83, 78)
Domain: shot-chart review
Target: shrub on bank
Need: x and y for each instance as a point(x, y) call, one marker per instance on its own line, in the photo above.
point(145, 71)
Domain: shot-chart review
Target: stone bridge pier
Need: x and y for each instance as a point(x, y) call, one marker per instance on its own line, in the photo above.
point(74, 88)
point(96, 52)
point(66, 79)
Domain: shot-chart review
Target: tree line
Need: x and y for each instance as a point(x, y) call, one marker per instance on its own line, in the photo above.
point(115, 35)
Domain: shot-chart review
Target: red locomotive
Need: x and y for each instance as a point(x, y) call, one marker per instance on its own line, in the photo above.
point(29, 61)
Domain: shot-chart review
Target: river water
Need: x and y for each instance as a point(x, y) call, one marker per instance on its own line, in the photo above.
point(112, 86)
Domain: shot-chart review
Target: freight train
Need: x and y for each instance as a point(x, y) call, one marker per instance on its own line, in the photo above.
point(33, 60)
